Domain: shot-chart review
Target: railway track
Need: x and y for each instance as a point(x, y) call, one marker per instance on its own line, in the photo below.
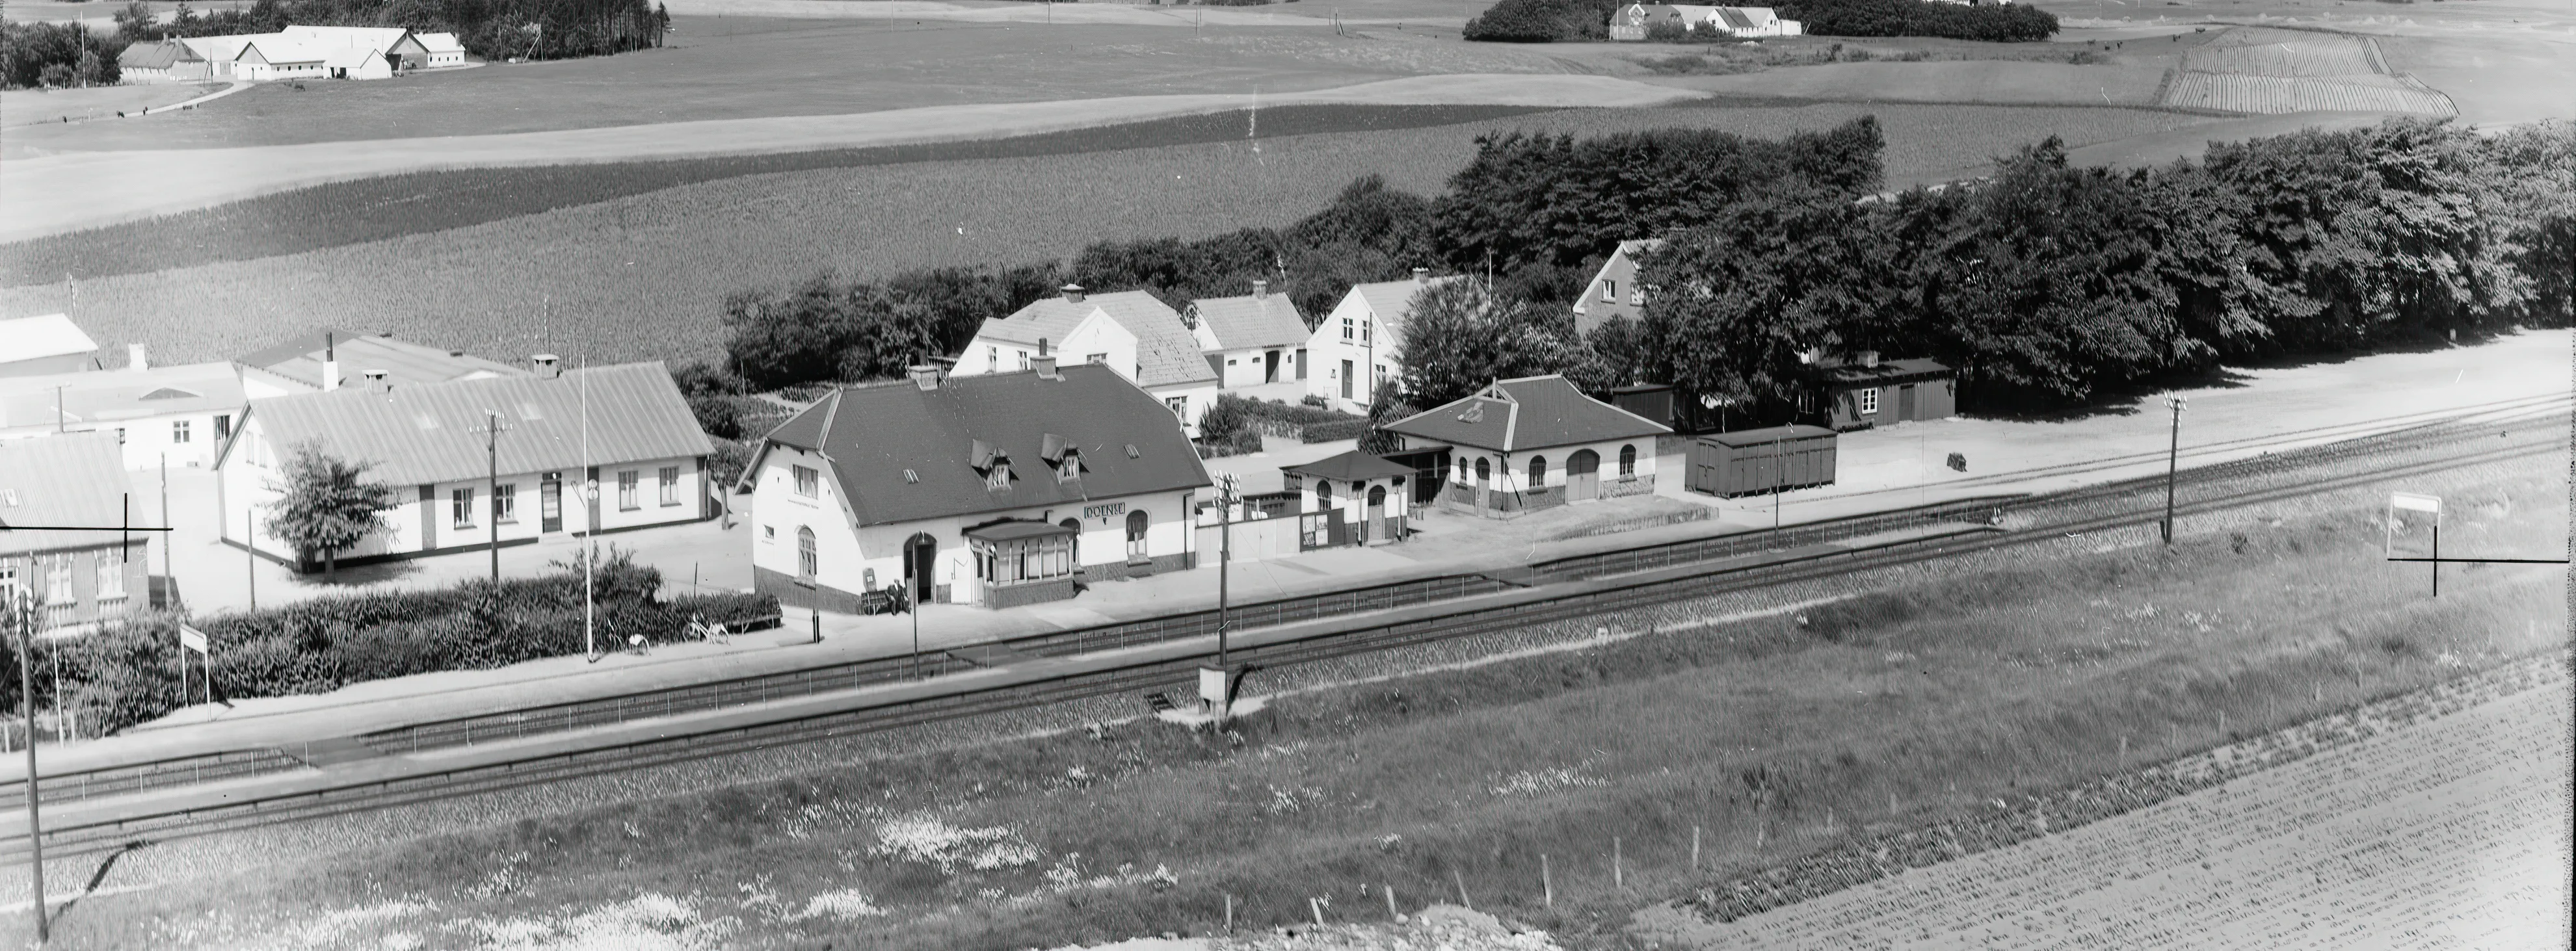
point(1576, 587)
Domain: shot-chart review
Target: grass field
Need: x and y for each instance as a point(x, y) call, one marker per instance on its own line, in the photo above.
point(648, 273)
point(1991, 81)
point(1778, 736)
point(27, 107)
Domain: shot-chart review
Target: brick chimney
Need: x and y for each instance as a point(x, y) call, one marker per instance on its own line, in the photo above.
point(548, 366)
point(330, 362)
point(1072, 293)
point(925, 376)
point(378, 381)
point(1260, 289)
point(1045, 365)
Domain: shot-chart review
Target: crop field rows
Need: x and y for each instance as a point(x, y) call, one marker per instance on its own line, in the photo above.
point(647, 274)
point(2448, 833)
point(2278, 94)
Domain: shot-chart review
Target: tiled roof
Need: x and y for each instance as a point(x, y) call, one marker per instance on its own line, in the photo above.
point(874, 434)
point(102, 397)
point(35, 338)
point(1350, 466)
point(300, 359)
point(1166, 353)
point(432, 432)
point(1248, 322)
point(439, 42)
point(1528, 413)
point(67, 479)
point(1392, 301)
point(159, 55)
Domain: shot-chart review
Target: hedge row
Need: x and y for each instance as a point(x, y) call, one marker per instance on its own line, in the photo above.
point(2004, 23)
point(1328, 432)
point(128, 674)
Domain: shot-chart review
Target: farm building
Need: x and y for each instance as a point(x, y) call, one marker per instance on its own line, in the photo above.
point(623, 432)
point(1250, 341)
point(1632, 22)
point(222, 53)
point(1353, 498)
point(178, 415)
point(997, 489)
point(1129, 331)
point(1614, 291)
point(47, 344)
point(400, 49)
point(440, 49)
point(1527, 444)
point(166, 61)
point(1366, 329)
point(1862, 391)
point(77, 577)
point(325, 359)
point(268, 59)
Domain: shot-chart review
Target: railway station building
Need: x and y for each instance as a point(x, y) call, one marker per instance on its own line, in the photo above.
point(1527, 444)
point(1860, 391)
point(991, 489)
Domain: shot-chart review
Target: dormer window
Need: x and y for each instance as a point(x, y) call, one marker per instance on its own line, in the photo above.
point(998, 478)
point(1070, 468)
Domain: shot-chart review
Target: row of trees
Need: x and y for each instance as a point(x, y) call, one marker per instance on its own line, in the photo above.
point(57, 55)
point(1547, 21)
point(492, 29)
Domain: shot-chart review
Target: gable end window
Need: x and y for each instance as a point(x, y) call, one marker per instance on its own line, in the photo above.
point(179, 431)
point(809, 481)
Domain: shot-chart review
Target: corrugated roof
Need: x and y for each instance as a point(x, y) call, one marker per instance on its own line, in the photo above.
point(67, 479)
point(404, 363)
point(1166, 353)
point(106, 396)
point(1734, 18)
point(1247, 322)
point(1769, 434)
point(1392, 301)
point(1534, 412)
point(873, 434)
point(433, 432)
point(1350, 466)
point(48, 335)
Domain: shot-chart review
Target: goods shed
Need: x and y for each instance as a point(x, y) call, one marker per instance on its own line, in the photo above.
point(1752, 461)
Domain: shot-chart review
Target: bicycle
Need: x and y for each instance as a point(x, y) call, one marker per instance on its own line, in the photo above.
point(700, 630)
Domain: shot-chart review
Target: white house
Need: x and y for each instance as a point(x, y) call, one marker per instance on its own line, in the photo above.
point(1631, 22)
point(1533, 443)
point(165, 61)
point(1250, 341)
point(222, 53)
point(440, 49)
point(1366, 329)
point(326, 359)
point(998, 489)
point(398, 46)
point(176, 415)
point(268, 59)
point(357, 62)
point(622, 431)
point(1129, 331)
point(45, 344)
point(1614, 291)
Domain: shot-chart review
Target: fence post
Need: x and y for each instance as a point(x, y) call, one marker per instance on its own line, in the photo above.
point(1390, 905)
point(1618, 874)
point(1694, 849)
point(1461, 879)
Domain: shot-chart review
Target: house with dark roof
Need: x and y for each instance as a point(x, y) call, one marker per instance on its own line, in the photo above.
point(164, 61)
point(1531, 443)
point(1252, 340)
point(1128, 331)
point(1614, 291)
point(604, 449)
point(1859, 391)
point(1364, 331)
point(325, 359)
point(1351, 498)
point(77, 577)
point(174, 416)
point(994, 489)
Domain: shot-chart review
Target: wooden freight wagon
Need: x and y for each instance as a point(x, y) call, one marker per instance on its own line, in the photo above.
point(1750, 461)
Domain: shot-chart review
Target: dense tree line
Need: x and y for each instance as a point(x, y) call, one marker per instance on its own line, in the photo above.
point(1542, 21)
point(2047, 282)
point(2000, 23)
point(57, 55)
point(491, 29)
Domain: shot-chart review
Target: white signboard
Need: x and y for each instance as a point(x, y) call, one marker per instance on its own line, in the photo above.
point(192, 639)
point(1212, 686)
point(2401, 506)
point(2414, 503)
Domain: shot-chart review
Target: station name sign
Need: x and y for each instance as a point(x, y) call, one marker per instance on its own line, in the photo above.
point(1104, 511)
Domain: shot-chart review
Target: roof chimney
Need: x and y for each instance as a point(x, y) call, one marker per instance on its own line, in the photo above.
point(1042, 346)
point(1260, 289)
point(1422, 275)
point(1869, 358)
point(330, 362)
point(925, 376)
point(134, 357)
point(549, 366)
point(1045, 366)
point(379, 382)
point(1072, 293)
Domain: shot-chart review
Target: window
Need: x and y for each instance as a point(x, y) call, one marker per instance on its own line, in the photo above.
point(1364, 330)
point(1484, 471)
point(1323, 493)
point(1537, 473)
point(1637, 297)
point(808, 564)
point(670, 485)
point(1070, 468)
point(178, 431)
point(1347, 332)
point(223, 426)
point(1180, 406)
point(1024, 359)
point(460, 507)
point(58, 582)
point(1136, 523)
point(998, 477)
point(505, 504)
point(768, 533)
point(1099, 358)
point(1610, 291)
point(626, 482)
point(993, 358)
point(1627, 462)
point(1869, 401)
point(111, 576)
point(809, 481)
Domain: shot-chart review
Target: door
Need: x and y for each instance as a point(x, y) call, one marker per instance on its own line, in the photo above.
point(921, 556)
point(550, 502)
point(1346, 379)
point(1375, 527)
point(1270, 367)
point(1076, 526)
point(428, 518)
point(1136, 524)
point(1905, 403)
point(1583, 476)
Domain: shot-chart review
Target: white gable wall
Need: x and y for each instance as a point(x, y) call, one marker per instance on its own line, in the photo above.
point(1352, 332)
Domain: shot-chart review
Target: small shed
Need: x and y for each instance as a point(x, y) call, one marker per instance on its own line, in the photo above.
point(1352, 498)
point(1653, 401)
point(1864, 391)
point(1752, 461)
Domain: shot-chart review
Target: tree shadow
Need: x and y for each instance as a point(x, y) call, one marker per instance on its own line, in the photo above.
point(359, 576)
point(2126, 398)
point(2412, 343)
point(96, 878)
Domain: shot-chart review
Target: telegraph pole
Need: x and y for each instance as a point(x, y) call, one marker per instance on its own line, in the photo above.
point(23, 611)
point(2173, 461)
point(1228, 492)
point(492, 482)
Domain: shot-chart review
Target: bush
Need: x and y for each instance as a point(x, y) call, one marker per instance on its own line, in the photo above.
point(1328, 432)
point(1542, 21)
point(58, 55)
point(2013, 23)
point(127, 674)
point(717, 415)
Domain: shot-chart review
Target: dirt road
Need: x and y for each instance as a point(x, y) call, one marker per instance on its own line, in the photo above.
point(2448, 834)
